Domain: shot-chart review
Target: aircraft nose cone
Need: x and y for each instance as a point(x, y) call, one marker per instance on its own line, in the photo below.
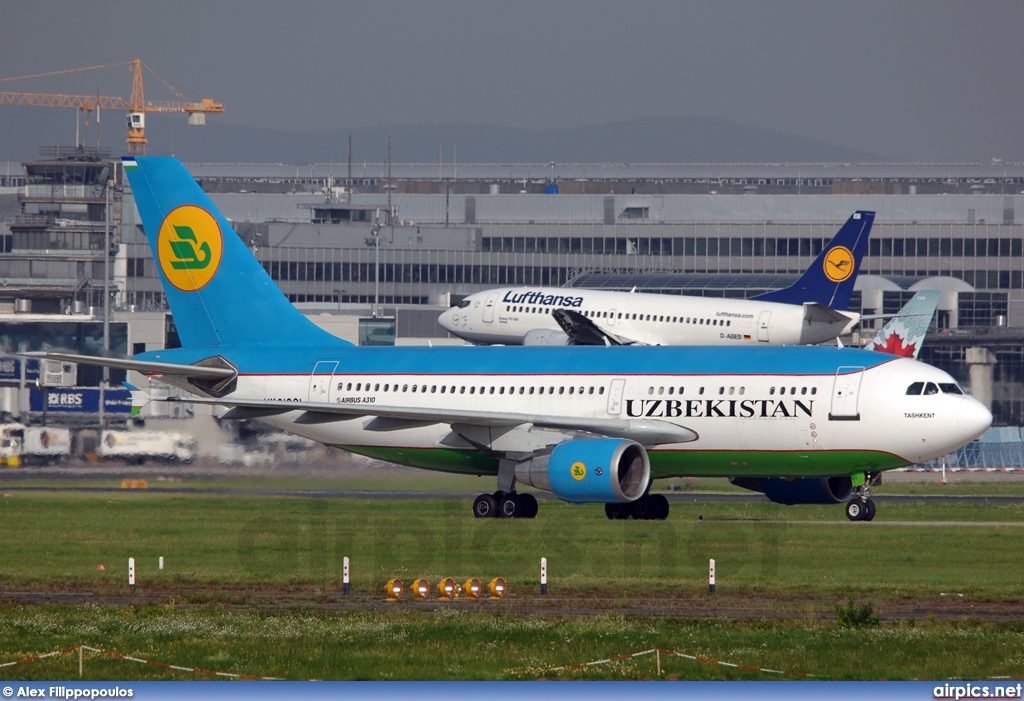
point(445, 319)
point(972, 419)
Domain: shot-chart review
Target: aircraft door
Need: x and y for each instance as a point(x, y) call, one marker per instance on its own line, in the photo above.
point(489, 308)
point(845, 394)
point(611, 317)
point(320, 380)
point(762, 326)
point(615, 397)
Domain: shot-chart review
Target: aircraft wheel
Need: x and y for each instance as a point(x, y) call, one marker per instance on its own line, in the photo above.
point(616, 511)
point(528, 505)
point(643, 508)
point(510, 506)
point(856, 510)
point(869, 510)
point(661, 507)
point(485, 506)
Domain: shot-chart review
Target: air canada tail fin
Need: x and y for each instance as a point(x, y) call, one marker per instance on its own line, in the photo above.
point(830, 278)
point(218, 292)
point(904, 334)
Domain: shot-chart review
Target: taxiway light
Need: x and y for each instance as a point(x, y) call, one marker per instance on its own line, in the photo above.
point(394, 588)
point(421, 588)
point(447, 588)
point(472, 587)
point(497, 587)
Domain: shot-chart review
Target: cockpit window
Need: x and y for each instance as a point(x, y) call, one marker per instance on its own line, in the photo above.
point(915, 388)
point(464, 303)
point(950, 388)
point(931, 388)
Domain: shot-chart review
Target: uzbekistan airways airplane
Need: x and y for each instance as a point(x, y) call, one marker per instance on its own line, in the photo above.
point(590, 424)
point(812, 310)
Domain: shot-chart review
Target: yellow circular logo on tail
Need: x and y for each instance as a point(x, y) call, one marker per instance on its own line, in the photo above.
point(190, 246)
point(839, 264)
point(578, 470)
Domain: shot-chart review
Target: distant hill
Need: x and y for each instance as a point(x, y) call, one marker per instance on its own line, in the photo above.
point(645, 140)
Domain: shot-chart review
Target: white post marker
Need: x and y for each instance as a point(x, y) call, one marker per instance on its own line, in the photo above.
point(131, 573)
point(711, 576)
point(161, 562)
point(344, 577)
point(543, 576)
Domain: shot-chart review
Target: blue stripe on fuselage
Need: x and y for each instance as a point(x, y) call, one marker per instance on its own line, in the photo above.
point(532, 360)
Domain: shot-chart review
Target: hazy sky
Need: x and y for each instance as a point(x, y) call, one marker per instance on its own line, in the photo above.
point(925, 80)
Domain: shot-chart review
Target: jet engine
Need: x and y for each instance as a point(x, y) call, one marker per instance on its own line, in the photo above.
point(598, 470)
point(800, 490)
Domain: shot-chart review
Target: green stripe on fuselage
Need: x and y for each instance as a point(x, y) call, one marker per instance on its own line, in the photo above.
point(674, 463)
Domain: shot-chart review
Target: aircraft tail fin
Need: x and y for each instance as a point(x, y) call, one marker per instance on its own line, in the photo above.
point(830, 278)
point(218, 292)
point(904, 334)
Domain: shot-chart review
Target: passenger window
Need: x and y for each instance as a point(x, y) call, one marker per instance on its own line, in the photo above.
point(771, 390)
point(600, 390)
point(950, 388)
point(931, 388)
point(814, 390)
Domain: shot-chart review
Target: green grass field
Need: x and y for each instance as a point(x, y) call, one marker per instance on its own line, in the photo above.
point(54, 541)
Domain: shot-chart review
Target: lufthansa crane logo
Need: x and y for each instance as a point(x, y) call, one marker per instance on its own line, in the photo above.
point(578, 470)
point(839, 264)
point(190, 246)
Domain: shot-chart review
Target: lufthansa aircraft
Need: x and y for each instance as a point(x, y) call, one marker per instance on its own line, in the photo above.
point(590, 424)
point(812, 310)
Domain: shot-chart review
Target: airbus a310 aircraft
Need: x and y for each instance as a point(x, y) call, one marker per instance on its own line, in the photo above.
point(812, 310)
point(590, 424)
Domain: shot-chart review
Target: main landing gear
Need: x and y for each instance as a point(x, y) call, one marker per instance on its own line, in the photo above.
point(649, 507)
point(505, 505)
point(860, 507)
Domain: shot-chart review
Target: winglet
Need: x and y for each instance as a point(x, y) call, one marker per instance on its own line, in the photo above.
point(140, 398)
point(830, 278)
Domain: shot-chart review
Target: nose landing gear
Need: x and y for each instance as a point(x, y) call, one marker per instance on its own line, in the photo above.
point(860, 507)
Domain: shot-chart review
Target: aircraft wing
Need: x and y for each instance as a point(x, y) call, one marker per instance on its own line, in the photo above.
point(199, 372)
point(645, 431)
point(582, 331)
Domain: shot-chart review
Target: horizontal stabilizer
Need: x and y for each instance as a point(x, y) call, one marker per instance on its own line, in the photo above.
point(148, 367)
point(815, 313)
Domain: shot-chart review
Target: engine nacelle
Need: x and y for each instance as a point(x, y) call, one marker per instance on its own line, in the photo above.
point(545, 337)
point(598, 470)
point(800, 490)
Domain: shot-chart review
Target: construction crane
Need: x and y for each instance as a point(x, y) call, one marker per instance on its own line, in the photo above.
point(136, 106)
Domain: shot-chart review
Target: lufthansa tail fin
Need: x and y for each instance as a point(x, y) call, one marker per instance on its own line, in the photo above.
point(218, 292)
point(904, 334)
point(829, 280)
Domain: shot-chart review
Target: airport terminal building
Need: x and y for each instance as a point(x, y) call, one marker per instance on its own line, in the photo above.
point(414, 238)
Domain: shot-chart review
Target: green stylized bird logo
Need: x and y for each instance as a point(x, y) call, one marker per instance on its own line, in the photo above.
point(185, 252)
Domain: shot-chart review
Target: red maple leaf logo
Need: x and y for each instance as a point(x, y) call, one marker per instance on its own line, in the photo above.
point(895, 345)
